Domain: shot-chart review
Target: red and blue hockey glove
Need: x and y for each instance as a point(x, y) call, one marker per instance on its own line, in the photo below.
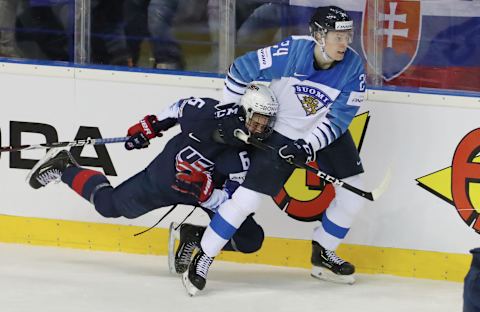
point(298, 150)
point(190, 180)
point(148, 128)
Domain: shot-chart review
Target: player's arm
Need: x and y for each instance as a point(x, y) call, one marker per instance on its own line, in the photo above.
point(338, 119)
point(332, 125)
point(233, 164)
point(219, 196)
point(199, 184)
point(152, 126)
point(264, 64)
point(190, 113)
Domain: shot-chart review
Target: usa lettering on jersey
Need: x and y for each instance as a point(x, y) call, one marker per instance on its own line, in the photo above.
point(195, 158)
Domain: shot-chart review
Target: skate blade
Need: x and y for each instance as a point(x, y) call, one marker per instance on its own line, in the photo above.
point(49, 155)
point(173, 236)
point(325, 274)
point(191, 289)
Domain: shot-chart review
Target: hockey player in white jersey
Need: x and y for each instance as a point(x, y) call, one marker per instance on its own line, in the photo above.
point(319, 82)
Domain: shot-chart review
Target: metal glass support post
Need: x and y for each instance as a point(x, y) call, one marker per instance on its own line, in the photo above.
point(82, 31)
point(226, 34)
point(374, 38)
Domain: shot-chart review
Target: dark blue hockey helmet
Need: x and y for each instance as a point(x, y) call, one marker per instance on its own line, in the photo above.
point(330, 18)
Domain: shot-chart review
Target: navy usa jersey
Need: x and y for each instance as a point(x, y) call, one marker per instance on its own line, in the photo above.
point(198, 119)
point(316, 105)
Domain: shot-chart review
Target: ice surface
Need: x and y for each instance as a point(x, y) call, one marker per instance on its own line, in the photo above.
point(67, 280)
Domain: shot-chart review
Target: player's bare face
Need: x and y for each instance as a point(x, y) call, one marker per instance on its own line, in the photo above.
point(336, 43)
point(258, 123)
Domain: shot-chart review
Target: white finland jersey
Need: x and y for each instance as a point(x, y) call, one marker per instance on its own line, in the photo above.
point(316, 105)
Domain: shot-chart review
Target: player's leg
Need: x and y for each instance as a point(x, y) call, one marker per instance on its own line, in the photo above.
point(50, 168)
point(130, 199)
point(266, 175)
point(341, 160)
point(247, 239)
point(471, 290)
point(188, 237)
point(59, 165)
point(221, 229)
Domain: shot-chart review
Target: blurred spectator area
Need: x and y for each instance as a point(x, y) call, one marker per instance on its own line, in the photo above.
point(418, 44)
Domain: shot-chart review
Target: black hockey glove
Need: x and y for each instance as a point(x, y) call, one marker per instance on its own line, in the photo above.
point(298, 150)
point(228, 123)
point(148, 128)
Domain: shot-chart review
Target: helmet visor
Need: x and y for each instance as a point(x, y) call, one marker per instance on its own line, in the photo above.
point(260, 125)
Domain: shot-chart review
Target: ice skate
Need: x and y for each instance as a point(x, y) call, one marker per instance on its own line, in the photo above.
point(195, 278)
point(50, 168)
point(328, 266)
point(189, 236)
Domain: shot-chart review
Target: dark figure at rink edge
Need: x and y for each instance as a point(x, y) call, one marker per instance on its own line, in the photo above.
point(319, 82)
point(471, 289)
point(196, 167)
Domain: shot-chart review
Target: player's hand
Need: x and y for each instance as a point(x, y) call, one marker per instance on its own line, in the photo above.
point(190, 180)
point(298, 150)
point(141, 133)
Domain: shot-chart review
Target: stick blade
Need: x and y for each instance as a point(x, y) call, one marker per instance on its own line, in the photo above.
point(379, 190)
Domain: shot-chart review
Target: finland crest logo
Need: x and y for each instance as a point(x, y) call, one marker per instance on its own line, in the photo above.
point(400, 25)
point(312, 99)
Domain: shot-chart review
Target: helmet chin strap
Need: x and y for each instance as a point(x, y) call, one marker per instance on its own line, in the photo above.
point(321, 43)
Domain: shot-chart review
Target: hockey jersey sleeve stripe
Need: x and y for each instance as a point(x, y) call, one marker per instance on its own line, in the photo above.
point(233, 91)
point(326, 133)
point(334, 135)
point(233, 85)
point(235, 81)
point(323, 139)
point(235, 88)
point(315, 145)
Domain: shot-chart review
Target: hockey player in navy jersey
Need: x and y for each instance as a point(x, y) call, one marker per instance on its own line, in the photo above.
point(471, 289)
point(199, 166)
point(319, 82)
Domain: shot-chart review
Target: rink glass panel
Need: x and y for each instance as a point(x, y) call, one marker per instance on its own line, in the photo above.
point(38, 30)
point(406, 45)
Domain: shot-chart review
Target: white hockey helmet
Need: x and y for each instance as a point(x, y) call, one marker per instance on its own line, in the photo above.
point(261, 107)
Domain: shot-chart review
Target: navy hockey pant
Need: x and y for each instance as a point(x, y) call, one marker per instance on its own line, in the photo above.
point(471, 290)
point(134, 198)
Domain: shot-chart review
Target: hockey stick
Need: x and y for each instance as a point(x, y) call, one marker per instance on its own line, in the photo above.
point(82, 142)
point(373, 195)
point(158, 222)
point(185, 219)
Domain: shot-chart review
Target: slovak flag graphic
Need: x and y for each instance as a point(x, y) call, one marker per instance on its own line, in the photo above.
point(399, 25)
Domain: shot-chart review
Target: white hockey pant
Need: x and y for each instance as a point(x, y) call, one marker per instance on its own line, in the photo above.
point(340, 215)
point(228, 219)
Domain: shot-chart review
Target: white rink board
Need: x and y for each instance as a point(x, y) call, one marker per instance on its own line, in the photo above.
point(415, 140)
